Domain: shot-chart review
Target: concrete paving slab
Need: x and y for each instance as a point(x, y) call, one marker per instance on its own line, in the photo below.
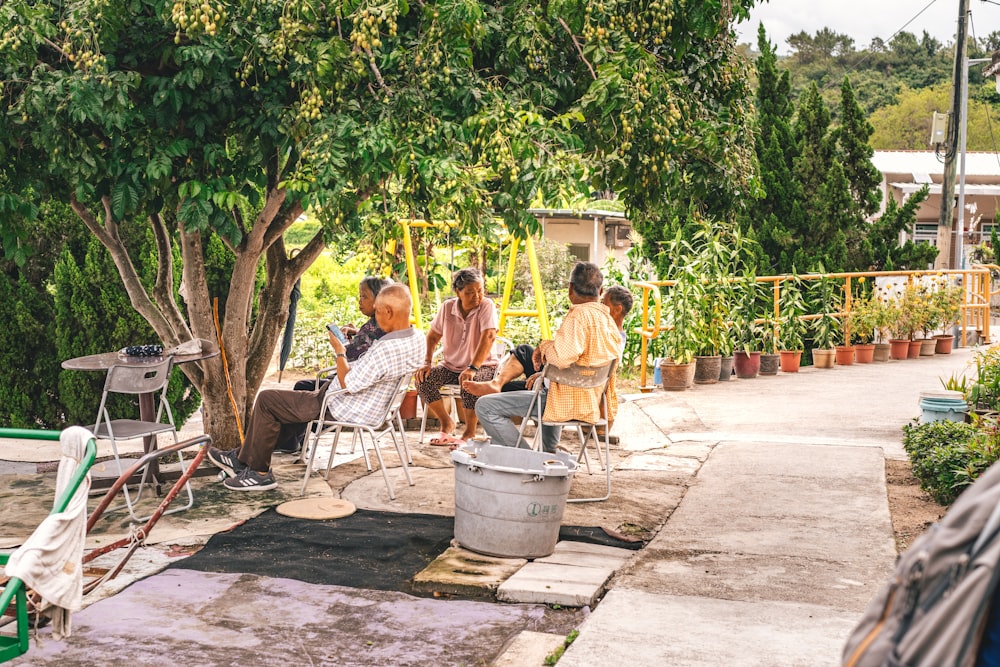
point(529, 649)
point(582, 554)
point(691, 449)
point(831, 499)
point(462, 572)
point(660, 461)
point(558, 584)
point(790, 523)
point(634, 427)
point(637, 628)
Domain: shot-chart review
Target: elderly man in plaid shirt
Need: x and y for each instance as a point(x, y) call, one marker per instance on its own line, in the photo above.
point(588, 336)
point(368, 387)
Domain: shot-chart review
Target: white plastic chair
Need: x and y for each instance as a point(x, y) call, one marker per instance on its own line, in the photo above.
point(580, 377)
point(503, 348)
point(136, 379)
point(392, 424)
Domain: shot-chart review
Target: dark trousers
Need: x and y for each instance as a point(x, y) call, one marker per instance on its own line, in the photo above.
point(278, 414)
point(523, 354)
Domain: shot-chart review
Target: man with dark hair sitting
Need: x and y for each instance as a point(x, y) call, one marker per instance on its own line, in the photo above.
point(370, 384)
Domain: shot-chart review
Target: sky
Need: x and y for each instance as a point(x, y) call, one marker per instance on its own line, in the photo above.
point(866, 19)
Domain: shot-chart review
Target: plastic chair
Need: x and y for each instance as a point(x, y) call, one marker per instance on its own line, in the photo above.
point(580, 377)
point(148, 379)
point(13, 591)
point(391, 424)
point(503, 348)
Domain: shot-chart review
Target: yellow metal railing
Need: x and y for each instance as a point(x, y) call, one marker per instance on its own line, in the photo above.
point(505, 311)
point(975, 307)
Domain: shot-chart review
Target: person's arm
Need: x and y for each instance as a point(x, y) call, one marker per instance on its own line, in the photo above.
point(363, 339)
point(482, 353)
point(341, 359)
point(433, 338)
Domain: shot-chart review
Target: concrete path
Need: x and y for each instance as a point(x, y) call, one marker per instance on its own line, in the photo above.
point(784, 534)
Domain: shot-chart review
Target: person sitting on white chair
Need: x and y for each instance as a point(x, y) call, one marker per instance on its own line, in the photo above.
point(371, 382)
point(588, 336)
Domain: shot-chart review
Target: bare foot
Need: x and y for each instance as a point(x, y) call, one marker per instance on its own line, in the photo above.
point(481, 388)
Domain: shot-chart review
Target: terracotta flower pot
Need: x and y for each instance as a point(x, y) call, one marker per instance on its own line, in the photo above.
point(899, 348)
point(845, 355)
point(408, 408)
point(914, 349)
point(676, 377)
point(769, 363)
point(790, 360)
point(944, 344)
point(823, 357)
point(747, 364)
point(864, 353)
point(726, 369)
point(928, 346)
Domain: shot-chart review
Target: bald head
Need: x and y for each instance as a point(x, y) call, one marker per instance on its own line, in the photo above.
point(392, 308)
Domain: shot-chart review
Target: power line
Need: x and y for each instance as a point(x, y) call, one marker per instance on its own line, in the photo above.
point(905, 26)
point(989, 121)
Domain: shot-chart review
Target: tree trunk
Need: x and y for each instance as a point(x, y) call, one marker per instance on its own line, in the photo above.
point(228, 383)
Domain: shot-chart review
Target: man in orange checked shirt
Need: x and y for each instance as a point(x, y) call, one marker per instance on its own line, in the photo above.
point(588, 337)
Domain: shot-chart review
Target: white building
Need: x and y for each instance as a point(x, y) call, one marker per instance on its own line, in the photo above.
point(905, 172)
point(591, 235)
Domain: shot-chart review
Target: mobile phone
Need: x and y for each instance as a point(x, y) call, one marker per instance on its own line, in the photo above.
point(335, 330)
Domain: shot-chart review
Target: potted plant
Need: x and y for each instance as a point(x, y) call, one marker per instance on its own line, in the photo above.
point(682, 339)
point(769, 357)
point(792, 326)
point(948, 308)
point(862, 322)
point(746, 329)
point(825, 327)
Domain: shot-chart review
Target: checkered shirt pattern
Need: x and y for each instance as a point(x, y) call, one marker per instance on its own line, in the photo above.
point(373, 379)
point(588, 337)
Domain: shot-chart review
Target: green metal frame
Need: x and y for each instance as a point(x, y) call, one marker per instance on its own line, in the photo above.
point(14, 591)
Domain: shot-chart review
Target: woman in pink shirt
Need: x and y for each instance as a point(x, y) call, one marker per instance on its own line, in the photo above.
point(466, 327)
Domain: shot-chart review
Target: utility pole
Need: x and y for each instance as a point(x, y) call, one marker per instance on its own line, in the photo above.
point(948, 177)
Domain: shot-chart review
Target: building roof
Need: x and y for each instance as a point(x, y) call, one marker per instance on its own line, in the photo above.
point(977, 163)
point(576, 213)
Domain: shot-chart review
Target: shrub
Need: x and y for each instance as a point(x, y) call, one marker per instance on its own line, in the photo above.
point(948, 456)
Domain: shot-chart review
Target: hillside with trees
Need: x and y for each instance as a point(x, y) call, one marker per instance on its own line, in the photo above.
point(898, 83)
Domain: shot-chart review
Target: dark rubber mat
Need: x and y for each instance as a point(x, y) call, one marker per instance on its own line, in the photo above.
point(373, 550)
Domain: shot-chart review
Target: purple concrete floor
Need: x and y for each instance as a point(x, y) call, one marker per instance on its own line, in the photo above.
point(183, 617)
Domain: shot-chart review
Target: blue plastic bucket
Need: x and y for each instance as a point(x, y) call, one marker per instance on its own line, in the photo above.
point(943, 409)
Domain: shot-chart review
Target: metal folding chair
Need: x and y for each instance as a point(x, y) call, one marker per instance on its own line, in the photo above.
point(392, 424)
point(151, 379)
point(13, 591)
point(503, 348)
point(580, 377)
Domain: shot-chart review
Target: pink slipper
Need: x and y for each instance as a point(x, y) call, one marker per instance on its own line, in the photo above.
point(445, 440)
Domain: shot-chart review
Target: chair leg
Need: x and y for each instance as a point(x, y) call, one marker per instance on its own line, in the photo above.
point(406, 444)
point(607, 464)
point(381, 463)
point(333, 449)
point(312, 455)
point(402, 455)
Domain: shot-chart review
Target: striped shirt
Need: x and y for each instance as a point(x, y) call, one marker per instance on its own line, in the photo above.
point(372, 380)
point(588, 337)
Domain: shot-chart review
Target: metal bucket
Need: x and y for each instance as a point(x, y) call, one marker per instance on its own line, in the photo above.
point(509, 502)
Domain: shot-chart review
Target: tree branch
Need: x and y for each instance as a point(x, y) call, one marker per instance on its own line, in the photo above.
point(163, 289)
point(579, 49)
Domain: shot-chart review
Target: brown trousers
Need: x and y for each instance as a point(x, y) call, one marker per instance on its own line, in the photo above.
point(277, 414)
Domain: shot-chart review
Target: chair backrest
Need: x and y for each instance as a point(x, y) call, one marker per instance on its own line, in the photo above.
point(581, 377)
point(397, 398)
point(138, 379)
